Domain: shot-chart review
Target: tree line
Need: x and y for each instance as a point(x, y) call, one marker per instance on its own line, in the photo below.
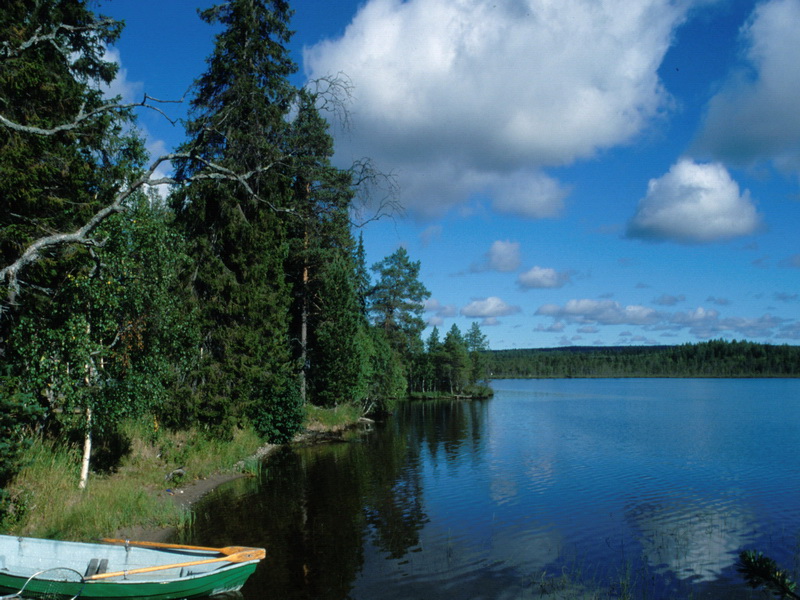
point(234, 300)
point(715, 358)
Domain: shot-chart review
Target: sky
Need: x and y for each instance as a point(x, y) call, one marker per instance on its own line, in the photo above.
point(571, 172)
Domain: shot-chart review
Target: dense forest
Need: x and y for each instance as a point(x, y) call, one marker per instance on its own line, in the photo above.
point(232, 301)
point(717, 358)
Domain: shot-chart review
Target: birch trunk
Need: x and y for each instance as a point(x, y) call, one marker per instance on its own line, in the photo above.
point(87, 450)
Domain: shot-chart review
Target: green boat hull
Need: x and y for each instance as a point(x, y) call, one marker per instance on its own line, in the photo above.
point(224, 580)
point(38, 568)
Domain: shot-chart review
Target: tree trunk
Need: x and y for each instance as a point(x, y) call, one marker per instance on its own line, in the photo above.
point(87, 450)
point(304, 323)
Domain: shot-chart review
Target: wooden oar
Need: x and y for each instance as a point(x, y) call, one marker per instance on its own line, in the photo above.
point(245, 555)
point(228, 550)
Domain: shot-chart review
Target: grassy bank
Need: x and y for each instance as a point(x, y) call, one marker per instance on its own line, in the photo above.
point(44, 499)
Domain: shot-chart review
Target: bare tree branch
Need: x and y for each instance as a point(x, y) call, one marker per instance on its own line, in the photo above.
point(376, 193)
point(9, 275)
point(52, 37)
point(333, 94)
point(82, 116)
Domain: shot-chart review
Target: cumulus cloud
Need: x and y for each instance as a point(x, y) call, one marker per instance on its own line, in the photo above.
point(471, 97)
point(503, 256)
point(603, 312)
point(439, 311)
point(702, 323)
point(692, 204)
point(541, 277)
point(489, 309)
point(754, 116)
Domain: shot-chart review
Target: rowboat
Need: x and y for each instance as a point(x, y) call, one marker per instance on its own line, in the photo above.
point(31, 568)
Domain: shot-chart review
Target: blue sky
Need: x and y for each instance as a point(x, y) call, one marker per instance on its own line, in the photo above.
point(572, 172)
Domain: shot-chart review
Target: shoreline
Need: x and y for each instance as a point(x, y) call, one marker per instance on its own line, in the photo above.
point(190, 493)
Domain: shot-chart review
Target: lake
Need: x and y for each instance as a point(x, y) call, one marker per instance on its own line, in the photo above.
point(570, 488)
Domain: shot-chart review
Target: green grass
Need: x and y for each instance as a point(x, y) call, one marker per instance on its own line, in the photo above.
point(332, 419)
point(46, 501)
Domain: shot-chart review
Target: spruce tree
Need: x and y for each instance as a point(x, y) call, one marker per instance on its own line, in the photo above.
point(237, 233)
point(326, 314)
point(51, 71)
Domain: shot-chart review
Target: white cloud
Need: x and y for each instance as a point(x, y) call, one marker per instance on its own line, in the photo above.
point(541, 277)
point(489, 309)
point(556, 327)
point(754, 116)
point(465, 97)
point(694, 203)
point(503, 256)
point(602, 312)
point(529, 195)
point(440, 311)
point(700, 322)
point(129, 91)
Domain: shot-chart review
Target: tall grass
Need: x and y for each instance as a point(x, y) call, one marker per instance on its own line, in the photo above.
point(45, 500)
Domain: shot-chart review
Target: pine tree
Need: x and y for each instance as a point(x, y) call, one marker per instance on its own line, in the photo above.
point(397, 302)
point(237, 233)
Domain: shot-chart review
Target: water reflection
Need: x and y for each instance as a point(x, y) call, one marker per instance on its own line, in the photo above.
point(478, 499)
point(691, 539)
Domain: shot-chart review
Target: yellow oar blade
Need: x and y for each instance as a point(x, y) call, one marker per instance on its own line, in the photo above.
point(227, 550)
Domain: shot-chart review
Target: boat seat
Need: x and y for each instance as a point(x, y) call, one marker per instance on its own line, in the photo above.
point(96, 566)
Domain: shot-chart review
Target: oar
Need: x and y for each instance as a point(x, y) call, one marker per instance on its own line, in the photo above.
point(226, 551)
point(243, 556)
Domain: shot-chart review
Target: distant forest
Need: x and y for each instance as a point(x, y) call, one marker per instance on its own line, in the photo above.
point(717, 358)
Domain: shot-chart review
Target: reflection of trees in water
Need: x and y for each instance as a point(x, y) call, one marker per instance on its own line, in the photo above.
point(445, 427)
point(314, 509)
point(688, 539)
point(307, 512)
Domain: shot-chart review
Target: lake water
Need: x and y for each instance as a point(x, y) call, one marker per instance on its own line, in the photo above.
point(649, 484)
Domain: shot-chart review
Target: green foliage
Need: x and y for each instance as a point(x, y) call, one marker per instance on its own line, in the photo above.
point(237, 240)
point(388, 382)
point(761, 571)
point(114, 337)
point(396, 302)
point(717, 358)
point(278, 417)
point(19, 414)
point(338, 358)
point(49, 183)
point(456, 363)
